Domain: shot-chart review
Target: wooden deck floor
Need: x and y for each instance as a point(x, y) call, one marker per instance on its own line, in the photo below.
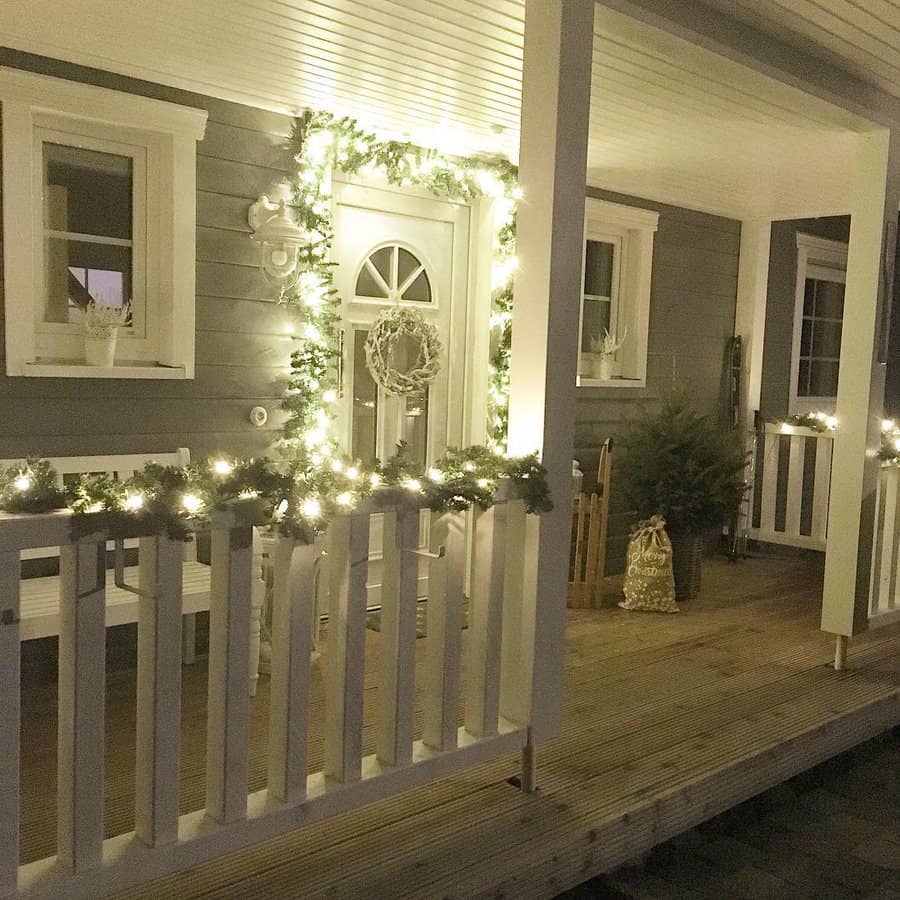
point(667, 721)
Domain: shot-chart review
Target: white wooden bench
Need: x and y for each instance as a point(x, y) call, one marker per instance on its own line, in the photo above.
point(39, 612)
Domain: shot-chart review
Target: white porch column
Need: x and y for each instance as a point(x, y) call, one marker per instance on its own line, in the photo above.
point(750, 324)
point(550, 233)
point(860, 400)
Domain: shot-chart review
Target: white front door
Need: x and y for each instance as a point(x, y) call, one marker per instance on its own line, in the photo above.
point(396, 247)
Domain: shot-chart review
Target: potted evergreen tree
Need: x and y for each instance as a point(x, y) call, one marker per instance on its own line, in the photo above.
point(684, 467)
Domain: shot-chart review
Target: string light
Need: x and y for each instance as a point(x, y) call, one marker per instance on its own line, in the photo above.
point(134, 502)
point(222, 467)
point(311, 508)
point(22, 483)
point(192, 503)
point(345, 498)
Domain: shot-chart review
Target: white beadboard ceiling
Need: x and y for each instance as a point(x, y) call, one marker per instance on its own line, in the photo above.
point(669, 121)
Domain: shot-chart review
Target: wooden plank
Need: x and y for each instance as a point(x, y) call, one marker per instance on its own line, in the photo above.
point(293, 609)
point(82, 679)
point(158, 713)
point(821, 488)
point(485, 623)
point(349, 552)
point(9, 716)
point(397, 654)
point(794, 485)
point(229, 658)
point(771, 450)
point(444, 627)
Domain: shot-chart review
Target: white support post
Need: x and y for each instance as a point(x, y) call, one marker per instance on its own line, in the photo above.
point(397, 652)
point(82, 685)
point(348, 547)
point(293, 608)
point(158, 716)
point(10, 716)
point(860, 399)
point(228, 702)
point(485, 623)
point(556, 90)
point(444, 631)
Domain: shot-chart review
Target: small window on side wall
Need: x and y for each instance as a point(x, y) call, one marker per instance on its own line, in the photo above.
point(615, 302)
point(98, 208)
point(818, 324)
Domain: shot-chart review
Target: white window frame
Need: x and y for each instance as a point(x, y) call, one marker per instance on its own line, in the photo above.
point(631, 230)
point(824, 260)
point(162, 139)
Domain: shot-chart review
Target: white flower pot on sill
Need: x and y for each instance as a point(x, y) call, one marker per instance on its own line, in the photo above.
point(100, 351)
point(605, 368)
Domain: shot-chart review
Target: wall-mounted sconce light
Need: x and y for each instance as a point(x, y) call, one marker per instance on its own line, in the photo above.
point(280, 239)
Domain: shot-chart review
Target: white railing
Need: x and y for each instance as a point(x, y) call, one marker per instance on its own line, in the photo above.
point(163, 841)
point(884, 596)
point(802, 489)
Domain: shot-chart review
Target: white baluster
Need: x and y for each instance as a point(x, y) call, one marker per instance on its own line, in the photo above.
point(444, 617)
point(10, 717)
point(794, 486)
point(257, 601)
point(485, 623)
point(513, 699)
point(772, 449)
point(158, 725)
point(293, 609)
point(82, 680)
point(345, 656)
point(229, 659)
point(397, 651)
point(888, 485)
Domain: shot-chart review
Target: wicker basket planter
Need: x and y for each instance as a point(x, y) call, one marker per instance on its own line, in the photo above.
point(687, 561)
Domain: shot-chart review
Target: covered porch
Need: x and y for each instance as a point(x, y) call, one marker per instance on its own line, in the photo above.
point(665, 722)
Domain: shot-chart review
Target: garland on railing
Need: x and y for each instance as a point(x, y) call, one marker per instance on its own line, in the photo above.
point(301, 502)
point(890, 442)
point(815, 421)
point(322, 143)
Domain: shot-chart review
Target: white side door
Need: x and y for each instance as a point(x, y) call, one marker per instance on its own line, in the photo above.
point(394, 247)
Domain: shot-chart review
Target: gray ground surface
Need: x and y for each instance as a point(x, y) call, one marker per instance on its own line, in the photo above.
point(832, 833)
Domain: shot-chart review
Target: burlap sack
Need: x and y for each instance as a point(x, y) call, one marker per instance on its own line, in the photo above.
point(649, 584)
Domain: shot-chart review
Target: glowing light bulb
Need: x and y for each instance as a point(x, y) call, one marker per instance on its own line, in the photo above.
point(469, 466)
point(436, 475)
point(888, 425)
point(831, 423)
point(134, 502)
point(311, 333)
point(329, 396)
point(374, 479)
point(786, 428)
point(222, 467)
point(413, 484)
point(22, 483)
point(95, 507)
point(311, 508)
point(483, 483)
point(352, 473)
point(192, 503)
point(345, 498)
point(337, 466)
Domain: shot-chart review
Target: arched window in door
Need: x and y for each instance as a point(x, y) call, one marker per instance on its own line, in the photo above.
point(393, 273)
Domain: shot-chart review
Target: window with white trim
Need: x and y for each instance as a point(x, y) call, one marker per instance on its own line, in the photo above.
point(98, 206)
point(818, 323)
point(615, 302)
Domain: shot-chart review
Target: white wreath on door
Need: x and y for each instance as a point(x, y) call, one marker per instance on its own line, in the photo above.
point(381, 344)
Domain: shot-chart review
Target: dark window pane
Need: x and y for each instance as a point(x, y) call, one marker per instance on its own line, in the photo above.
point(419, 290)
point(367, 286)
point(827, 339)
point(365, 403)
point(406, 265)
point(598, 268)
point(87, 192)
point(594, 322)
point(76, 272)
point(829, 300)
point(809, 297)
point(415, 425)
point(382, 260)
point(806, 338)
point(803, 379)
point(823, 378)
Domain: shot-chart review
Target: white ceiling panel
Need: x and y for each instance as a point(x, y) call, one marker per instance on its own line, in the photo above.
point(669, 121)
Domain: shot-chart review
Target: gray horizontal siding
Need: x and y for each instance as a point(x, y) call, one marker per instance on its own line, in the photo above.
point(692, 306)
point(241, 344)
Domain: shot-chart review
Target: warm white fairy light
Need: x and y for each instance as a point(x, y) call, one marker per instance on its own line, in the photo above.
point(888, 425)
point(413, 485)
point(345, 498)
point(374, 480)
point(95, 507)
point(192, 503)
point(352, 473)
point(436, 475)
point(134, 502)
point(311, 508)
point(222, 467)
point(483, 483)
point(337, 466)
point(469, 466)
point(22, 483)
point(329, 396)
